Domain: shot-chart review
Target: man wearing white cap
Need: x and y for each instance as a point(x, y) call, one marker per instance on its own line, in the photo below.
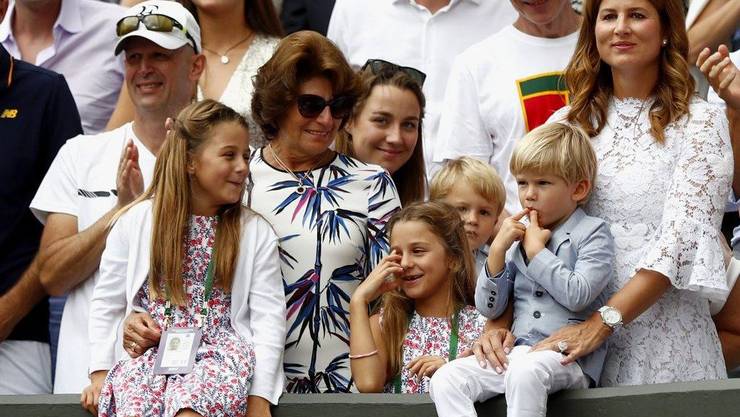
point(95, 175)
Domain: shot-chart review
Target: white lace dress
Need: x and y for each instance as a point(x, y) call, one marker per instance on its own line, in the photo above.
point(664, 204)
point(239, 90)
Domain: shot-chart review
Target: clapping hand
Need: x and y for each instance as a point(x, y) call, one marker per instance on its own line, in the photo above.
point(129, 182)
point(722, 74)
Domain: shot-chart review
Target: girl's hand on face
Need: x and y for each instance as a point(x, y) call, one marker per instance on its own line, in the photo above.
point(512, 230)
point(425, 365)
point(384, 278)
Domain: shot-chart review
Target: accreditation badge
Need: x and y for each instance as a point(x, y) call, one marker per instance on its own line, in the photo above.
point(177, 349)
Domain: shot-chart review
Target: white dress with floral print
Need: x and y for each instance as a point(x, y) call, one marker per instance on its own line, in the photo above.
point(224, 362)
point(431, 336)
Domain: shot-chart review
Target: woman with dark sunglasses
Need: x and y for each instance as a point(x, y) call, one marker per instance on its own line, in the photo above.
point(385, 127)
point(328, 209)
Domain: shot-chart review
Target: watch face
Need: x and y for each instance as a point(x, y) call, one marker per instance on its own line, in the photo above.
point(612, 316)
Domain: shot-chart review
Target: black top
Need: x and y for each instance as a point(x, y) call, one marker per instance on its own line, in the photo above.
point(306, 15)
point(37, 115)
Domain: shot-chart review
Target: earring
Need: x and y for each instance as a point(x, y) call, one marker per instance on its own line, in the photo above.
point(665, 42)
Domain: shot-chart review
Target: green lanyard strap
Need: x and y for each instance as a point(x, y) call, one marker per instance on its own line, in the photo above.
point(199, 318)
point(451, 355)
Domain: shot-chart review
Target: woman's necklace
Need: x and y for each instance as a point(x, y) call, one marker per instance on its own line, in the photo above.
point(225, 56)
point(301, 187)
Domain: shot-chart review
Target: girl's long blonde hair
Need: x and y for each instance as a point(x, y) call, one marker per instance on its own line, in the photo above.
point(171, 206)
point(444, 221)
point(589, 78)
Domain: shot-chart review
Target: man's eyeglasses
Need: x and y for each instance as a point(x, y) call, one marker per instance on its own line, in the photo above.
point(385, 68)
point(153, 22)
point(310, 106)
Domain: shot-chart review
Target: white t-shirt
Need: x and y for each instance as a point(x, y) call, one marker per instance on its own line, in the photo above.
point(500, 89)
point(405, 33)
point(81, 182)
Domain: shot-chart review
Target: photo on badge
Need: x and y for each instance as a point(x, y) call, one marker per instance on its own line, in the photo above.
point(177, 349)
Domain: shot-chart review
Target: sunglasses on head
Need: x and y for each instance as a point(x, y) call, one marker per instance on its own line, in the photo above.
point(153, 22)
point(387, 69)
point(310, 106)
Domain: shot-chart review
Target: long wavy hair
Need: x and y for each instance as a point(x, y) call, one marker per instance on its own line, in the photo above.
point(171, 203)
point(444, 221)
point(589, 78)
point(410, 178)
point(260, 15)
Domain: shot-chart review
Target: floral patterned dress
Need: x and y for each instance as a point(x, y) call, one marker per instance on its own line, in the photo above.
point(331, 236)
point(224, 364)
point(431, 336)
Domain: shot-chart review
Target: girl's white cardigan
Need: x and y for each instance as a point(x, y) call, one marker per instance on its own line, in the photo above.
point(257, 295)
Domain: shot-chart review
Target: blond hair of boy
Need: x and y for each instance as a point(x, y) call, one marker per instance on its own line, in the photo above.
point(482, 177)
point(558, 149)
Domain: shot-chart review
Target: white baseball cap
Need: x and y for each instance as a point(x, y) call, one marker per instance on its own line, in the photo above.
point(170, 26)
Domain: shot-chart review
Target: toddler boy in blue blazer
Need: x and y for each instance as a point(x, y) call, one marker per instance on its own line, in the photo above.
point(554, 269)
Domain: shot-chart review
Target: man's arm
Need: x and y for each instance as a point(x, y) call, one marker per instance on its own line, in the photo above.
point(20, 300)
point(67, 256)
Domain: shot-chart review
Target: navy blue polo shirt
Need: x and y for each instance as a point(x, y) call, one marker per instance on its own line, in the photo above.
point(37, 115)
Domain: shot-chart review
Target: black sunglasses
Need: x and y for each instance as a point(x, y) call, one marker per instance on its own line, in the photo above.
point(153, 22)
point(387, 69)
point(310, 106)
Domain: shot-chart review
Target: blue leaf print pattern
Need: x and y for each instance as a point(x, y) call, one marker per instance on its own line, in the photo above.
point(330, 238)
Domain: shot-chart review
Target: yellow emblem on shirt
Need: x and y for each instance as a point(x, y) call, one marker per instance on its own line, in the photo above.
point(9, 114)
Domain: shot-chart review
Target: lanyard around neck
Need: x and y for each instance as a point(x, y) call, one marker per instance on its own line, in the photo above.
point(450, 356)
point(199, 318)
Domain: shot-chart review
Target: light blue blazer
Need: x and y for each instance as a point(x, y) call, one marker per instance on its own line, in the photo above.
point(564, 284)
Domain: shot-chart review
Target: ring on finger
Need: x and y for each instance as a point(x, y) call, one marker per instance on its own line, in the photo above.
point(132, 346)
point(390, 278)
point(562, 346)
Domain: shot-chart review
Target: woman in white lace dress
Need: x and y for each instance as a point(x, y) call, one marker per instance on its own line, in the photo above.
point(665, 166)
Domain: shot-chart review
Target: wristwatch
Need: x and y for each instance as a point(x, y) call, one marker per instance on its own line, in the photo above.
point(611, 317)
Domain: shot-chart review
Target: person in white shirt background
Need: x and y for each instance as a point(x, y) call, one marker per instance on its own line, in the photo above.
point(422, 34)
point(506, 85)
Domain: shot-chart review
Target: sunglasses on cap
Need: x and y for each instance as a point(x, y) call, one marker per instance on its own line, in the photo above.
point(387, 69)
point(153, 22)
point(310, 106)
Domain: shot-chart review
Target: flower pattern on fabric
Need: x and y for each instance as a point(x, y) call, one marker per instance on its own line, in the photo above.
point(664, 203)
point(431, 336)
point(331, 237)
point(224, 363)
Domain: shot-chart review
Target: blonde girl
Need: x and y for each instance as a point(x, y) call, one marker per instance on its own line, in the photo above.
point(425, 317)
point(188, 253)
